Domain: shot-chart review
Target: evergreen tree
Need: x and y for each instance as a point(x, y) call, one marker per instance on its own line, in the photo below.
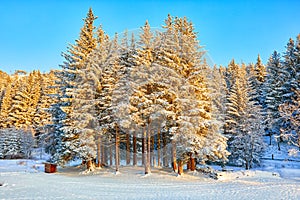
point(75, 60)
point(289, 111)
point(218, 92)
point(4, 83)
point(15, 143)
point(273, 94)
point(24, 101)
point(259, 79)
point(245, 139)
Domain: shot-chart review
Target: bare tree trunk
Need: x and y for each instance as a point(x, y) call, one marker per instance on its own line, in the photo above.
point(145, 151)
point(247, 165)
point(89, 165)
point(99, 150)
point(153, 163)
point(127, 149)
point(149, 151)
point(134, 150)
point(192, 163)
point(158, 149)
point(103, 153)
point(165, 158)
point(188, 164)
point(180, 167)
point(117, 139)
point(110, 155)
point(174, 156)
point(143, 146)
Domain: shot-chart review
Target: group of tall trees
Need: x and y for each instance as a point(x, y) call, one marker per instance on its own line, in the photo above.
point(152, 99)
point(24, 101)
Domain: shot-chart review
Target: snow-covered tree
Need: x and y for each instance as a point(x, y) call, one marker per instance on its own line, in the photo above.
point(75, 59)
point(246, 134)
point(4, 83)
point(289, 63)
point(217, 93)
point(259, 78)
point(24, 102)
point(273, 93)
point(290, 132)
point(15, 143)
point(42, 117)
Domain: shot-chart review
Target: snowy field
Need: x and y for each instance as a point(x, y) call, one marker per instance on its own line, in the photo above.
point(25, 179)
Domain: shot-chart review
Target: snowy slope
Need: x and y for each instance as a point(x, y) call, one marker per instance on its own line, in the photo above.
point(25, 179)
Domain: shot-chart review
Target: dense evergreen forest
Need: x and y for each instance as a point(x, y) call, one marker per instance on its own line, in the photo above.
point(151, 99)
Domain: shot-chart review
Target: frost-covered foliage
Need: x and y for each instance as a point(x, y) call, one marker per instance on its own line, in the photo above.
point(15, 143)
point(66, 134)
point(290, 132)
point(244, 115)
point(273, 92)
point(159, 92)
point(281, 88)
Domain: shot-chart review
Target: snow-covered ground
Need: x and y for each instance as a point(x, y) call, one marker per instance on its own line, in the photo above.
point(25, 179)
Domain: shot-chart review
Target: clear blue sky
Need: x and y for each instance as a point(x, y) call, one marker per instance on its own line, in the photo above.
point(34, 32)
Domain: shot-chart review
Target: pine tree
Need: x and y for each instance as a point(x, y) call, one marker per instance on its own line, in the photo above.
point(24, 101)
point(273, 94)
point(218, 92)
point(259, 79)
point(42, 117)
point(245, 141)
point(4, 83)
point(289, 111)
point(8, 98)
point(75, 60)
point(290, 133)
point(289, 66)
point(15, 143)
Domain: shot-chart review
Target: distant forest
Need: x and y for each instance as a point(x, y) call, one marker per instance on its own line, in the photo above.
point(151, 99)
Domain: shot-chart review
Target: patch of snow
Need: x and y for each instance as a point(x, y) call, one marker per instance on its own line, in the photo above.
point(22, 181)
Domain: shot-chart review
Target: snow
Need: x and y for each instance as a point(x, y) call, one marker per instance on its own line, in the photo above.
point(25, 179)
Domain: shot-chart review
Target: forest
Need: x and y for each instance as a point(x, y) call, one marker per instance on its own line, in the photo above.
point(151, 99)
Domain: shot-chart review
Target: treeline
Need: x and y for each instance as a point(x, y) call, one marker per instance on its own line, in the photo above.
point(151, 99)
point(24, 100)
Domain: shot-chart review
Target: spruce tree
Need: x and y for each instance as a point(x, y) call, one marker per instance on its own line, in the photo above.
point(245, 140)
point(273, 94)
point(75, 59)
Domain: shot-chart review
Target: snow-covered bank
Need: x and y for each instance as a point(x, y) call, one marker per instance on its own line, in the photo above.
point(26, 180)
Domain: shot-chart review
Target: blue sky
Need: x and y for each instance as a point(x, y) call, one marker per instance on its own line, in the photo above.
point(34, 32)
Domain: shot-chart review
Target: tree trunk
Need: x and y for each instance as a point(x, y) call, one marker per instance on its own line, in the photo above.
point(143, 146)
point(165, 156)
point(117, 139)
point(89, 165)
point(145, 151)
point(149, 151)
point(127, 149)
point(158, 148)
point(247, 165)
point(104, 153)
point(152, 152)
point(270, 139)
point(192, 163)
point(174, 156)
point(188, 164)
point(134, 150)
point(99, 150)
point(110, 155)
point(180, 167)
